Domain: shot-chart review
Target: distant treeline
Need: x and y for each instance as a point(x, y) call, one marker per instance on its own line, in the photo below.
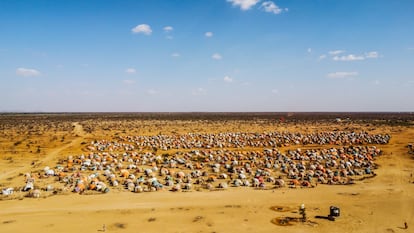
point(362, 117)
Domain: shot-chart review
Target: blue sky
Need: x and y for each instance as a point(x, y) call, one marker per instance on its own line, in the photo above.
point(206, 55)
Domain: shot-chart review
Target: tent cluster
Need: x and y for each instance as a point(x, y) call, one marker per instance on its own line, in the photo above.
point(209, 169)
point(126, 166)
point(238, 140)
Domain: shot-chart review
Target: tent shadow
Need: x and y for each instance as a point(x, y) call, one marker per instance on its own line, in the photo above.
point(330, 218)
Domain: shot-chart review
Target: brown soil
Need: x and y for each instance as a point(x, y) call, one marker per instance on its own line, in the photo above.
point(380, 204)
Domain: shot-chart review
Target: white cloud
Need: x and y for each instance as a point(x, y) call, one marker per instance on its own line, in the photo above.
point(309, 50)
point(349, 57)
point(271, 7)
point(199, 91)
point(130, 71)
point(175, 55)
point(336, 52)
point(216, 56)
point(25, 72)
point(168, 29)
point(244, 4)
point(321, 57)
point(342, 74)
point(142, 28)
point(275, 91)
point(128, 81)
point(352, 57)
point(227, 79)
point(152, 92)
point(373, 54)
point(208, 34)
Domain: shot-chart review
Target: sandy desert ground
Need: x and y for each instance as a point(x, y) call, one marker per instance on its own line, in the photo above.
point(379, 204)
